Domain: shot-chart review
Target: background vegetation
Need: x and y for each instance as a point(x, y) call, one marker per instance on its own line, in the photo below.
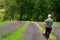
point(33, 10)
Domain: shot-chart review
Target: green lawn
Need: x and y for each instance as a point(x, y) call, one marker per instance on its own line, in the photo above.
point(17, 35)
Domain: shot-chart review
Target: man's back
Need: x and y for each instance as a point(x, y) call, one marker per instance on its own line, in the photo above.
point(49, 22)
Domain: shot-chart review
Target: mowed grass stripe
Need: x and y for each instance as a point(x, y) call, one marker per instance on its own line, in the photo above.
point(17, 35)
point(52, 37)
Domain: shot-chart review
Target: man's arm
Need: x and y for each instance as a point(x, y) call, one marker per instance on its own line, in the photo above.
point(44, 25)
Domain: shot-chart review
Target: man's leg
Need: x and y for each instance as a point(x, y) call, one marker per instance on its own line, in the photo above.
point(49, 31)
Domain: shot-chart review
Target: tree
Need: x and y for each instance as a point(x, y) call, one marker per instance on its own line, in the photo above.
point(36, 10)
point(10, 8)
point(55, 8)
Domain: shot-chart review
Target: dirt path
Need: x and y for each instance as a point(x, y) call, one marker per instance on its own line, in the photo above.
point(32, 33)
point(8, 28)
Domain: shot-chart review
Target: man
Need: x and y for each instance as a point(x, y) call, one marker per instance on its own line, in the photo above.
point(48, 26)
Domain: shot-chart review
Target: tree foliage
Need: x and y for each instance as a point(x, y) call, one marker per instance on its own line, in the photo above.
point(33, 10)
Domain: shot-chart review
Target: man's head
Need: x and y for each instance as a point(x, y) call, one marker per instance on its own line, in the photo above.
point(49, 15)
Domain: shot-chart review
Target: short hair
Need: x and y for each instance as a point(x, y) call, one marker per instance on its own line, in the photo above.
point(49, 15)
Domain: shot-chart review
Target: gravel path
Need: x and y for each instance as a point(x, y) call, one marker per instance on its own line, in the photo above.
point(33, 33)
point(6, 29)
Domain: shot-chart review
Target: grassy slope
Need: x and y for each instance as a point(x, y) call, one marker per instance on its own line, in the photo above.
point(17, 35)
point(52, 37)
